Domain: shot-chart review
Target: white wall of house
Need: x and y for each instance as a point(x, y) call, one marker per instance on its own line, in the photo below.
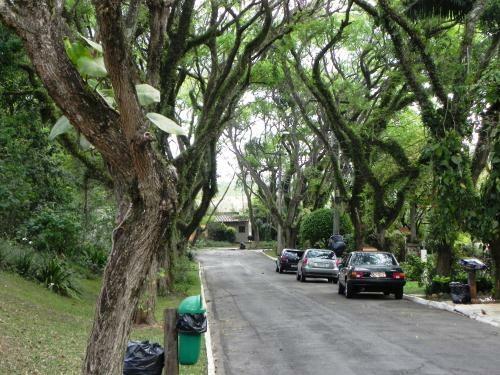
point(242, 230)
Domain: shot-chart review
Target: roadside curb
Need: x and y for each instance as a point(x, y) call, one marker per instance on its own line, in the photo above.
point(452, 309)
point(208, 337)
point(263, 253)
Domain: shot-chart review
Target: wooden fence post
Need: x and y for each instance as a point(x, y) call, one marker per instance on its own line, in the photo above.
point(170, 343)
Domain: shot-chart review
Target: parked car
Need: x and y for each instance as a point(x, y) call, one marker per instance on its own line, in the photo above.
point(362, 271)
point(288, 260)
point(318, 263)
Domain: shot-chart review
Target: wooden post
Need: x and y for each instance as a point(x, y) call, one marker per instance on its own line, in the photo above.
point(472, 286)
point(170, 328)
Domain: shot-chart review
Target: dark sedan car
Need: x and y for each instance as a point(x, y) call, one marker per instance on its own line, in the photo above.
point(288, 260)
point(371, 272)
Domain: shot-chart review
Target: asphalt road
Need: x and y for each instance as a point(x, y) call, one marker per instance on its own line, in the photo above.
point(265, 323)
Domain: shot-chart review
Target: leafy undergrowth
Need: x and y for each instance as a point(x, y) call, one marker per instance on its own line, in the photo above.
point(44, 333)
point(412, 287)
point(262, 245)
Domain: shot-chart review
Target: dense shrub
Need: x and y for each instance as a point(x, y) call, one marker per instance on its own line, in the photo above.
point(184, 274)
point(349, 241)
point(3, 256)
point(414, 267)
point(18, 258)
point(94, 257)
point(395, 242)
point(32, 170)
point(51, 230)
point(316, 227)
point(221, 232)
point(484, 283)
point(439, 284)
point(24, 264)
point(56, 276)
point(266, 230)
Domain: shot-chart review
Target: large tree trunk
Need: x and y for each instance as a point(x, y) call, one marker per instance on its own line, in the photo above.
point(289, 237)
point(381, 237)
point(166, 260)
point(413, 222)
point(145, 310)
point(495, 255)
point(255, 228)
point(137, 240)
point(444, 258)
point(355, 215)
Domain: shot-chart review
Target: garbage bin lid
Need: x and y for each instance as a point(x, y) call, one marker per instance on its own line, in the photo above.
point(191, 305)
point(472, 263)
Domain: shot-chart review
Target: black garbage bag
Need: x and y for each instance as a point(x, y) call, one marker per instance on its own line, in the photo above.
point(460, 293)
point(143, 358)
point(192, 323)
point(337, 244)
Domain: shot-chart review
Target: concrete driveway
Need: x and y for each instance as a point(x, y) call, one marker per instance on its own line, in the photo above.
point(265, 323)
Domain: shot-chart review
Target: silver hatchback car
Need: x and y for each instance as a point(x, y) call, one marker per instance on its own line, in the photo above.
point(318, 263)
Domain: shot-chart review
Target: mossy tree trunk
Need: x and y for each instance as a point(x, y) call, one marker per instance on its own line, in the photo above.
point(495, 255)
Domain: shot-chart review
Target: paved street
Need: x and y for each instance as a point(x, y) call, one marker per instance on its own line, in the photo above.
point(267, 323)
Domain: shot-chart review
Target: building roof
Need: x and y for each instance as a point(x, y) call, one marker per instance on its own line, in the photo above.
point(230, 218)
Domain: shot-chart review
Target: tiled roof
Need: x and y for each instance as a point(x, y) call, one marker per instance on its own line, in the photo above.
point(230, 218)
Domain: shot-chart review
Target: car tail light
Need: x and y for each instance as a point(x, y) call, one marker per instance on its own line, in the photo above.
point(357, 274)
point(338, 261)
point(398, 275)
point(284, 259)
point(304, 261)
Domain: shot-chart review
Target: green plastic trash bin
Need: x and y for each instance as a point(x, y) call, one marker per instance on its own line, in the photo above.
point(190, 342)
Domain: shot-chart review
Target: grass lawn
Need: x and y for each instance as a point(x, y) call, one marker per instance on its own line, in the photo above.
point(44, 333)
point(412, 287)
point(270, 252)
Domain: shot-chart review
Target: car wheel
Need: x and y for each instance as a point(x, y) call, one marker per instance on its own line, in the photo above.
point(302, 278)
point(280, 269)
point(341, 289)
point(349, 293)
point(399, 293)
point(335, 280)
point(386, 293)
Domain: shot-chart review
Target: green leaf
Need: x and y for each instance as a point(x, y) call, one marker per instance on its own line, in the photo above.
point(456, 159)
point(92, 67)
point(84, 143)
point(108, 96)
point(92, 44)
point(61, 126)
point(76, 51)
point(147, 94)
point(165, 124)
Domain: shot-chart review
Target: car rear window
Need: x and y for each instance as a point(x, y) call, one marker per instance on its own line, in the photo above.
point(373, 259)
point(325, 254)
point(293, 254)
